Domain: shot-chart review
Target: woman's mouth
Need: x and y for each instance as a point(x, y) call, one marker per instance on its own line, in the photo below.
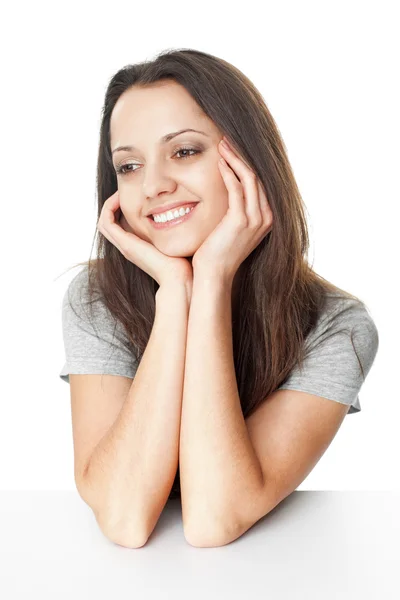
point(168, 222)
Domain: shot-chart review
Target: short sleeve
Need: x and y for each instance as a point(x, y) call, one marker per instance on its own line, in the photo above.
point(94, 342)
point(331, 368)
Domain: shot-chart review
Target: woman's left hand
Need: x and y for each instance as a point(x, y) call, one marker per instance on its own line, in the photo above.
point(247, 221)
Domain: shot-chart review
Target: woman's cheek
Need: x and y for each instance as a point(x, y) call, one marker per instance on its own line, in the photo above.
point(124, 224)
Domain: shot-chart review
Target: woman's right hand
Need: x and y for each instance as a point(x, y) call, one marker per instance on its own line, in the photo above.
point(164, 269)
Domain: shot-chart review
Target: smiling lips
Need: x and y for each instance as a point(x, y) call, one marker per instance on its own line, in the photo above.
point(175, 221)
point(164, 209)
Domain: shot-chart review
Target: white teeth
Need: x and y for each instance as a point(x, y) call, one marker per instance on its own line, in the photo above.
point(171, 214)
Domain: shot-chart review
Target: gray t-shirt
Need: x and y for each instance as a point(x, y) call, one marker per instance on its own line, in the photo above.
point(330, 369)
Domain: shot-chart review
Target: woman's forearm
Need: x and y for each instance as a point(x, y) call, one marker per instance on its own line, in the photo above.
point(131, 471)
point(219, 469)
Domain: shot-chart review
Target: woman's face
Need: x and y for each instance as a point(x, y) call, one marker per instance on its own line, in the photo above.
point(157, 175)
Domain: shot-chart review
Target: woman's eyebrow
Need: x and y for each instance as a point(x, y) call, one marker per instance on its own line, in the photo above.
point(166, 138)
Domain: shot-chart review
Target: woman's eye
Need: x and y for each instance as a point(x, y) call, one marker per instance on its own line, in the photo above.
point(186, 150)
point(123, 169)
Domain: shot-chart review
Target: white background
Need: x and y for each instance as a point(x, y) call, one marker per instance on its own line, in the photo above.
point(328, 72)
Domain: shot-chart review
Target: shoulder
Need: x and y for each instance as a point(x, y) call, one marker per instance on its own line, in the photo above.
point(83, 303)
point(339, 352)
point(344, 312)
point(344, 325)
point(78, 287)
point(95, 340)
point(85, 311)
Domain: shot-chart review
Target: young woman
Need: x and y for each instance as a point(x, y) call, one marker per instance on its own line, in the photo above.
point(206, 358)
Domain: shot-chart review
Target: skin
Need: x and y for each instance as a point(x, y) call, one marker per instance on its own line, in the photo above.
point(159, 176)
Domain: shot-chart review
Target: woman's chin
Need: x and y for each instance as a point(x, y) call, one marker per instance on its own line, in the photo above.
point(175, 249)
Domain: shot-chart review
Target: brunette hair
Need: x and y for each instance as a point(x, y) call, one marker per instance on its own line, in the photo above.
point(281, 296)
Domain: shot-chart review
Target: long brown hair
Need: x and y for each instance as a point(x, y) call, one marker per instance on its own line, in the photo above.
point(280, 296)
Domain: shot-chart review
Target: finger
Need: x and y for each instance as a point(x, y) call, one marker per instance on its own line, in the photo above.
point(253, 207)
point(235, 153)
point(237, 163)
point(107, 224)
point(112, 203)
point(109, 233)
point(248, 180)
point(235, 190)
point(107, 212)
point(116, 234)
point(266, 211)
point(250, 197)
